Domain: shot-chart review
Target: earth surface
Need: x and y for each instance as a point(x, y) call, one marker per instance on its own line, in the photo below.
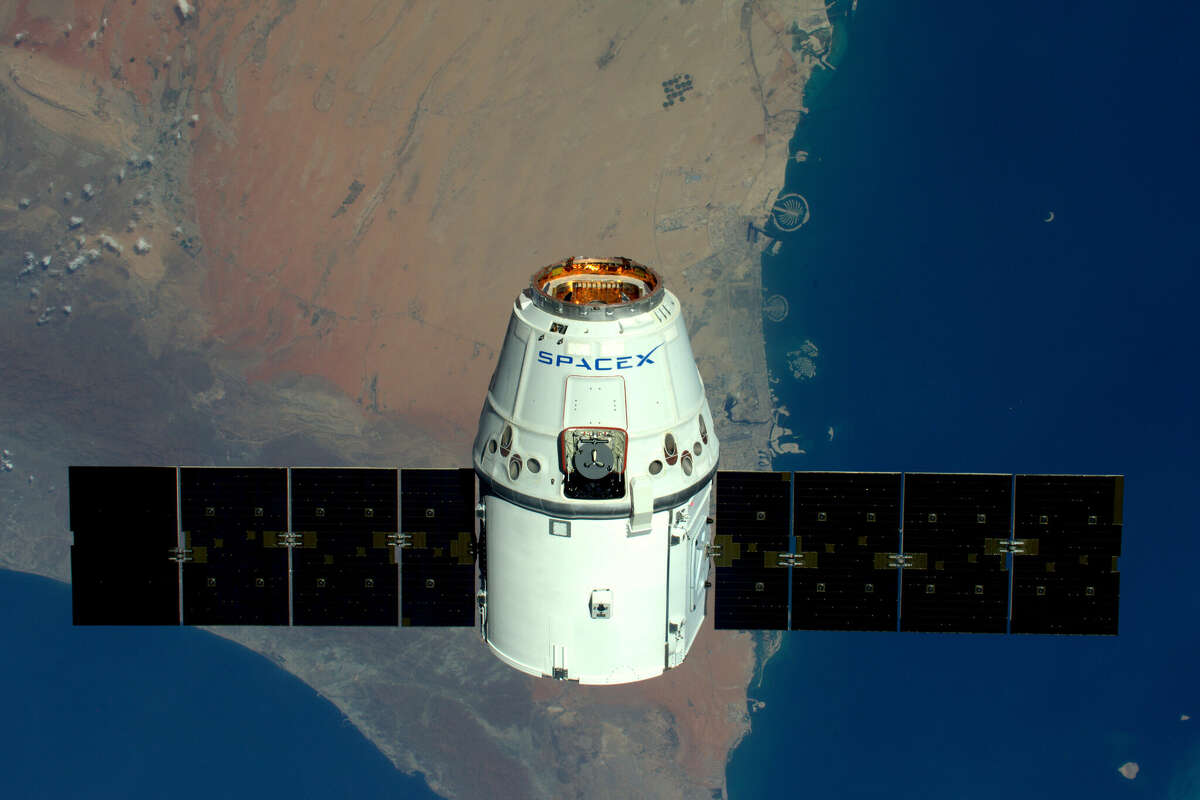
point(290, 233)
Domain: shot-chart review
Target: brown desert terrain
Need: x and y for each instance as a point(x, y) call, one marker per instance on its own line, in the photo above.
point(303, 225)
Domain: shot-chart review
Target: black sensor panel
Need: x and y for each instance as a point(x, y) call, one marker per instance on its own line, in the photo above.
point(847, 524)
point(437, 508)
point(344, 570)
point(753, 527)
point(233, 521)
point(125, 528)
point(1066, 579)
point(957, 580)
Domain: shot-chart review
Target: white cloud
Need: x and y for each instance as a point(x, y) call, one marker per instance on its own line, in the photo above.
point(1129, 769)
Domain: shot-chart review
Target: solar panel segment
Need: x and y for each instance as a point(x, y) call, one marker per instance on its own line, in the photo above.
point(345, 570)
point(233, 522)
point(843, 520)
point(438, 515)
point(952, 557)
point(1067, 581)
point(342, 568)
point(126, 528)
point(955, 582)
point(753, 512)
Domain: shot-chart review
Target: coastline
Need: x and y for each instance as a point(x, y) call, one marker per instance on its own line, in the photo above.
point(281, 338)
point(787, 449)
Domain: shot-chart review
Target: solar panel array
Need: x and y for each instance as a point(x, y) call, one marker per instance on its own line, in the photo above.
point(272, 546)
point(933, 552)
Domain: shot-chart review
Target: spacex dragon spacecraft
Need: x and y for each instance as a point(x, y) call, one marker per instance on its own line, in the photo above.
point(595, 458)
point(584, 540)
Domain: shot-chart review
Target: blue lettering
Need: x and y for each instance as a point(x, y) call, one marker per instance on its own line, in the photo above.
point(601, 364)
point(645, 359)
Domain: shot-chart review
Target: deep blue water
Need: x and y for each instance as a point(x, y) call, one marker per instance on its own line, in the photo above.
point(959, 332)
point(165, 712)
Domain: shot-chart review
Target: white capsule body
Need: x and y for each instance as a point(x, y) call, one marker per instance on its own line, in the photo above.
point(608, 588)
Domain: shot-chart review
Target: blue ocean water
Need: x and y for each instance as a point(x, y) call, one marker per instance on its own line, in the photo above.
point(165, 712)
point(958, 331)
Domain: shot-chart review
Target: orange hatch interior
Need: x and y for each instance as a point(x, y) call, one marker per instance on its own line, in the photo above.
point(601, 281)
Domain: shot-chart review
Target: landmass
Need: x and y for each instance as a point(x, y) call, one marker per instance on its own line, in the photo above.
point(290, 233)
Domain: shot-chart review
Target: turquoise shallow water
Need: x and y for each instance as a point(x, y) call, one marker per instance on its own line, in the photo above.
point(957, 331)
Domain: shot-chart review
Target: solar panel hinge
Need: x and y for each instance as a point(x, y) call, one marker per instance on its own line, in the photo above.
point(290, 539)
point(713, 551)
point(900, 559)
point(180, 555)
point(790, 560)
point(1016, 546)
point(401, 539)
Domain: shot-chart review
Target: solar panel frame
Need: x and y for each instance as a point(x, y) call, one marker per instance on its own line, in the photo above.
point(1067, 580)
point(958, 580)
point(846, 525)
point(753, 527)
